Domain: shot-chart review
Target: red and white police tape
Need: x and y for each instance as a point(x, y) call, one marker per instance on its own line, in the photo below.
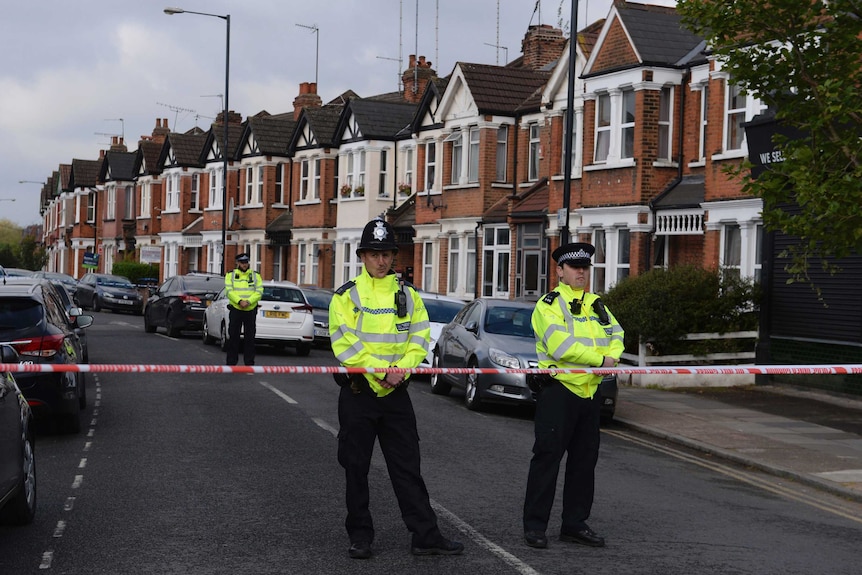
point(279, 369)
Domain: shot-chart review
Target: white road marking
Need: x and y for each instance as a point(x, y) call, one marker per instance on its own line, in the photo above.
point(323, 425)
point(79, 479)
point(70, 503)
point(279, 393)
point(47, 558)
point(59, 529)
point(83, 463)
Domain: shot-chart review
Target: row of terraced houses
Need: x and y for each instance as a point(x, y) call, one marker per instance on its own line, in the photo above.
point(468, 168)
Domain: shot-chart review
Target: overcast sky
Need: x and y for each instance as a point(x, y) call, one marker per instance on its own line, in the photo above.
point(70, 69)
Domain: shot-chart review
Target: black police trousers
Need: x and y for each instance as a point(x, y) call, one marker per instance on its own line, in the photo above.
point(564, 423)
point(364, 417)
point(245, 321)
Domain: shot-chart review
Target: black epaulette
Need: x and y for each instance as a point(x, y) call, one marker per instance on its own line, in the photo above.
point(345, 287)
point(550, 297)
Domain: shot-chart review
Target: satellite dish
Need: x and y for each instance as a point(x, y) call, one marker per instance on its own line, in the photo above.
point(231, 212)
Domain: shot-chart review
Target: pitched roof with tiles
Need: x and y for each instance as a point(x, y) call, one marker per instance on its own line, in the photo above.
point(323, 122)
point(150, 151)
point(378, 120)
point(188, 148)
point(65, 172)
point(234, 137)
point(272, 132)
point(502, 90)
point(657, 34)
point(85, 173)
point(119, 166)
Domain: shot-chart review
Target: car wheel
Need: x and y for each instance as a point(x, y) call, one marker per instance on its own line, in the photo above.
point(173, 331)
point(207, 338)
point(21, 509)
point(148, 327)
point(96, 305)
point(303, 349)
point(438, 386)
point(223, 337)
point(471, 391)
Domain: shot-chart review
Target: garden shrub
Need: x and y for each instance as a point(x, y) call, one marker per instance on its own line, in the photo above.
point(661, 306)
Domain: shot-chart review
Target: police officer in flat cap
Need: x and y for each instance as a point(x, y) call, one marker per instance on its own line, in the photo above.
point(573, 329)
point(376, 320)
point(243, 288)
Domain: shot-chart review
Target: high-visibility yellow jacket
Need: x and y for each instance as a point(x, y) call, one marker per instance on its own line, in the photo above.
point(241, 285)
point(567, 340)
point(365, 330)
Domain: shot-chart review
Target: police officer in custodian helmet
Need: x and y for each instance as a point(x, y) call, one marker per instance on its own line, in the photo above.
point(377, 321)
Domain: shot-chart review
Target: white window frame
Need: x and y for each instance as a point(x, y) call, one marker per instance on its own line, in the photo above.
point(383, 177)
point(429, 281)
point(535, 144)
point(665, 123)
point(627, 119)
point(128, 203)
point(111, 202)
point(215, 192)
point(279, 183)
point(304, 179)
point(497, 261)
point(735, 108)
point(604, 129)
point(91, 207)
point(474, 135)
point(258, 191)
point(430, 165)
point(408, 167)
point(454, 264)
point(502, 159)
point(315, 182)
point(457, 139)
point(195, 202)
point(249, 185)
point(703, 123)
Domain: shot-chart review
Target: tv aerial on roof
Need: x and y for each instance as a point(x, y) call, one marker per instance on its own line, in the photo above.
point(176, 110)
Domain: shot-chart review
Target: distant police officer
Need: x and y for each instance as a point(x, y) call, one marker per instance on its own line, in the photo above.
point(573, 330)
point(244, 288)
point(377, 321)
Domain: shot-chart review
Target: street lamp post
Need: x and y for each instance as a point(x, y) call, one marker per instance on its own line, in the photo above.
point(226, 18)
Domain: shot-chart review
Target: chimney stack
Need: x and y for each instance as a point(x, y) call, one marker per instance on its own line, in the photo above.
point(542, 44)
point(416, 77)
point(307, 98)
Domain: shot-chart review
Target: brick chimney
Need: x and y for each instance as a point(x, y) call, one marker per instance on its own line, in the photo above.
point(232, 117)
point(416, 77)
point(117, 144)
point(161, 131)
point(542, 44)
point(307, 98)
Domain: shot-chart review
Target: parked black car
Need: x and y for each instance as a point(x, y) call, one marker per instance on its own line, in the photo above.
point(180, 302)
point(107, 291)
point(72, 311)
point(17, 450)
point(34, 321)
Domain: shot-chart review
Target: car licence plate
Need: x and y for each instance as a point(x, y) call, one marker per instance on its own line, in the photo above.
point(126, 301)
point(276, 314)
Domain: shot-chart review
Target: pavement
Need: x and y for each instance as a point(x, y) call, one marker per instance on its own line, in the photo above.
point(811, 437)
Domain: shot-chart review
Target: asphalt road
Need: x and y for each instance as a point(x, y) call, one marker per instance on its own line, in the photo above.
point(237, 474)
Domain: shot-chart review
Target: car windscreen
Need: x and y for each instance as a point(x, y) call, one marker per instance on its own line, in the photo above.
point(114, 281)
point(203, 284)
point(283, 294)
point(504, 320)
point(19, 313)
point(440, 311)
point(318, 299)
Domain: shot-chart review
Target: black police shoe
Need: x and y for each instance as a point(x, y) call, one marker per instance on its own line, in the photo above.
point(536, 539)
point(585, 536)
point(359, 550)
point(442, 546)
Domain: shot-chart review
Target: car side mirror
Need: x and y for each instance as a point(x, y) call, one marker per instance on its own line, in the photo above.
point(8, 354)
point(473, 327)
point(83, 321)
point(75, 312)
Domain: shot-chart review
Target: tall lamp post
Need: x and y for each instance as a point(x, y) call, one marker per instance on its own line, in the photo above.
point(226, 18)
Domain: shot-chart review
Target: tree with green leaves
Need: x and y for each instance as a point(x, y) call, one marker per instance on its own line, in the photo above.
point(803, 58)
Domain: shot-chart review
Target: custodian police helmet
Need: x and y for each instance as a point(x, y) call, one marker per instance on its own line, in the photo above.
point(377, 236)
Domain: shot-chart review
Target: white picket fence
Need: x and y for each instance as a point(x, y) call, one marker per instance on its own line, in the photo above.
point(646, 359)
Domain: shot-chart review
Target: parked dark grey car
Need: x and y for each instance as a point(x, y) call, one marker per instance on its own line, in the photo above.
point(34, 321)
point(107, 291)
point(17, 450)
point(319, 299)
point(179, 303)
